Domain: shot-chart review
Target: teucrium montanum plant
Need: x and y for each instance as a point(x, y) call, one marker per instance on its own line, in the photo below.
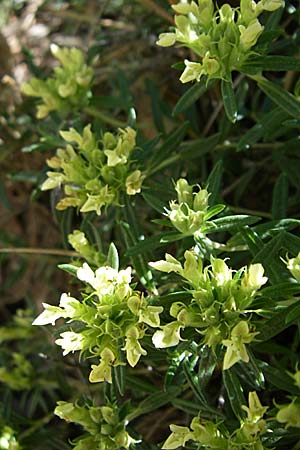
point(113, 318)
point(219, 308)
point(94, 176)
point(222, 39)
point(216, 324)
point(212, 436)
point(105, 429)
point(68, 88)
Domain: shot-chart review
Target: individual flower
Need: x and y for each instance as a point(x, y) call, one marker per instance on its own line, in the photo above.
point(293, 265)
point(289, 414)
point(134, 182)
point(235, 346)
point(168, 335)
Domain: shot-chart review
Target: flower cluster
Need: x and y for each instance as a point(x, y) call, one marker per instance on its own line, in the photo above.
point(112, 319)
point(8, 440)
point(221, 39)
point(218, 307)
point(105, 429)
point(67, 89)
point(190, 212)
point(94, 177)
point(210, 435)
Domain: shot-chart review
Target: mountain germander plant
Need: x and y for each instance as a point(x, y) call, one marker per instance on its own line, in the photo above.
point(192, 325)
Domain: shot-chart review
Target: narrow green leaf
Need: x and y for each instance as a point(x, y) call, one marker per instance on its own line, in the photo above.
point(194, 385)
point(235, 392)
point(271, 120)
point(207, 364)
point(278, 323)
point(280, 197)
point(69, 268)
point(251, 238)
point(230, 223)
point(27, 176)
point(272, 63)
point(187, 406)
point(198, 147)
point(155, 401)
point(191, 96)
point(171, 144)
point(282, 98)
point(118, 378)
point(214, 211)
point(156, 203)
point(214, 182)
point(113, 256)
point(171, 236)
point(280, 379)
point(281, 290)
point(148, 244)
point(193, 381)
point(229, 100)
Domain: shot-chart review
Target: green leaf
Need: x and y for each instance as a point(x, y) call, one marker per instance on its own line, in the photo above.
point(251, 238)
point(282, 98)
point(113, 257)
point(214, 182)
point(280, 197)
point(155, 98)
point(155, 202)
point(198, 147)
point(230, 223)
point(155, 401)
point(272, 119)
point(272, 63)
point(279, 322)
point(206, 365)
point(118, 378)
point(214, 211)
point(229, 100)
point(235, 392)
point(171, 144)
point(148, 244)
point(279, 378)
point(191, 96)
point(194, 385)
point(189, 407)
point(27, 176)
point(69, 268)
